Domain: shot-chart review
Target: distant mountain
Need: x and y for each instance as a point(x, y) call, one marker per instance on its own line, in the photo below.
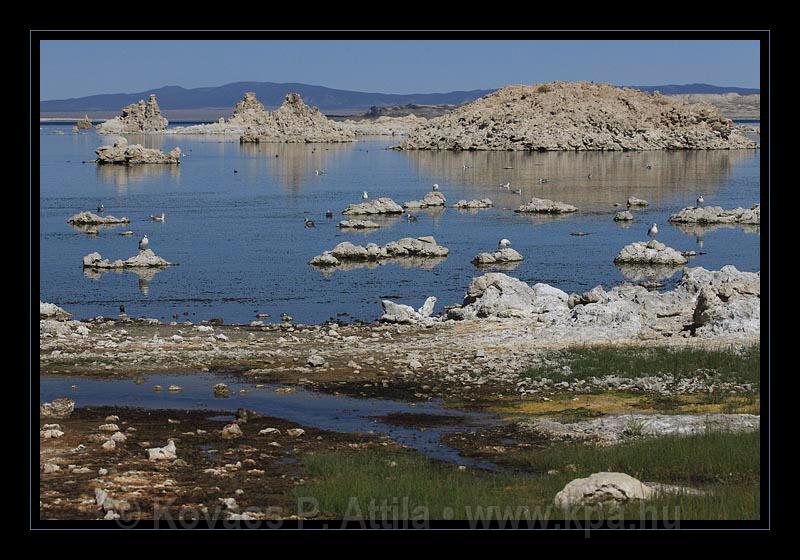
point(176, 98)
point(271, 94)
point(673, 89)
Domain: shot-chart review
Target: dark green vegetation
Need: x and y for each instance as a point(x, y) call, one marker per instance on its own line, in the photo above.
point(734, 364)
point(725, 466)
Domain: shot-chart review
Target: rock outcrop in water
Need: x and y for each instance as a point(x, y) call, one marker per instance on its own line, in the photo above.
point(545, 206)
point(296, 122)
point(84, 124)
point(577, 116)
point(248, 112)
point(358, 224)
point(501, 256)
point(382, 205)
point(143, 117)
point(144, 259)
point(473, 204)
point(52, 311)
point(430, 200)
point(652, 252)
point(623, 216)
point(421, 247)
point(717, 215)
point(90, 219)
point(122, 153)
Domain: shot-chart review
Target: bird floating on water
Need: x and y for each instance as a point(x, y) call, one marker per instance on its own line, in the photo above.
point(504, 243)
point(101, 208)
point(158, 217)
point(589, 176)
point(653, 231)
point(365, 196)
point(309, 223)
point(411, 217)
point(542, 180)
point(235, 171)
point(329, 214)
point(319, 172)
point(700, 200)
point(649, 166)
point(517, 191)
point(507, 186)
point(143, 243)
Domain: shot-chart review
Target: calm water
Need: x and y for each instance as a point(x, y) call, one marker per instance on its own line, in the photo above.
point(328, 412)
point(242, 248)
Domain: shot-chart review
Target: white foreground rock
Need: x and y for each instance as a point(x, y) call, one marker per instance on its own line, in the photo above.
point(602, 487)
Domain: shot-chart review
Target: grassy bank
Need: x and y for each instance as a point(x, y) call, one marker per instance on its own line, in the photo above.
point(734, 364)
point(726, 466)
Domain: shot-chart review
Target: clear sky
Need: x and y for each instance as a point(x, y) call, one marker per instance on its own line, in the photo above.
point(79, 68)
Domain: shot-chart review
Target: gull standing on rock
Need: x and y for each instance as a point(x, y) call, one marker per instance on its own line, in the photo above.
point(365, 196)
point(143, 243)
point(101, 208)
point(700, 200)
point(653, 231)
point(158, 218)
point(504, 243)
point(436, 186)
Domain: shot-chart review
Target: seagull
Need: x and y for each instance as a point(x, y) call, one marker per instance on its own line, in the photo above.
point(517, 191)
point(436, 186)
point(309, 223)
point(329, 214)
point(144, 243)
point(466, 166)
point(101, 208)
point(589, 176)
point(235, 171)
point(700, 200)
point(504, 243)
point(653, 231)
point(122, 308)
point(542, 181)
point(319, 172)
point(411, 217)
point(649, 166)
point(365, 196)
point(158, 218)
point(507, 186)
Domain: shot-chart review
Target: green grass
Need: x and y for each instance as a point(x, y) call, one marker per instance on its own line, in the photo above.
point(726, 465)
point(741, 365)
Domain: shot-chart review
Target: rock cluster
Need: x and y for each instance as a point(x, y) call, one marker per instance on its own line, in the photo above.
point(717, 215)
point(90, 219)
point(473, 204)
point(61, 407)
point(498, 295)
point(296, 122)
point(501, 256)
point(378, 206)
point(652, 252)
point(421, 247)
point(52, 311)
point(405, 314)
point(144, 259)
point(623, 216)
point(384, 126)
point(84, 124)
point(248, 112)
point(122, 153)
point(545, 206)
point(577, 116)
point(143, 117)
point(432, 199)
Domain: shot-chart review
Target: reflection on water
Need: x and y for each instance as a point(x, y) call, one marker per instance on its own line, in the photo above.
point(144, 275)
point(614, 176)
point(423, 263)
point(293, 164)
point(698, 230)
point(647, 273)
point(122, 175)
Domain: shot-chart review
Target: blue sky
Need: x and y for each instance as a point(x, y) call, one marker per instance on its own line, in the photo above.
point(79, 68)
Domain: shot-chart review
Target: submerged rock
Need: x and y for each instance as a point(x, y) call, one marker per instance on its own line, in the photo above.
point(637, 202)
point(144, 259)
point(652, 252)
point(88, 218)
point(421, 247)
point(501, 256)
point(378, 206)
point(717, 215)
point(122, 153)
point(432, 199)
point(545, 206)
point(143, 117)
point(473, 204)
point(600, 488)
point(577, 116)
point(358, 224)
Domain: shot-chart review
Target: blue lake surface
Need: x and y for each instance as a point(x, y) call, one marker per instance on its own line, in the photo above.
point(242, 248)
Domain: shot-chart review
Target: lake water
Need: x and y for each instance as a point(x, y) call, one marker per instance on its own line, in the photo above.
point(242, 248)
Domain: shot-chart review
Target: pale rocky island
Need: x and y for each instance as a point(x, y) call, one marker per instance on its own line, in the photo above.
point(577, 116)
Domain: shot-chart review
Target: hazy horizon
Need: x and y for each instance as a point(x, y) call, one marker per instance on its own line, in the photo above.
point(68, 69)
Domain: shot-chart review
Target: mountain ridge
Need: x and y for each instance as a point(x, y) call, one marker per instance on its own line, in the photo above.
point(327, 99)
